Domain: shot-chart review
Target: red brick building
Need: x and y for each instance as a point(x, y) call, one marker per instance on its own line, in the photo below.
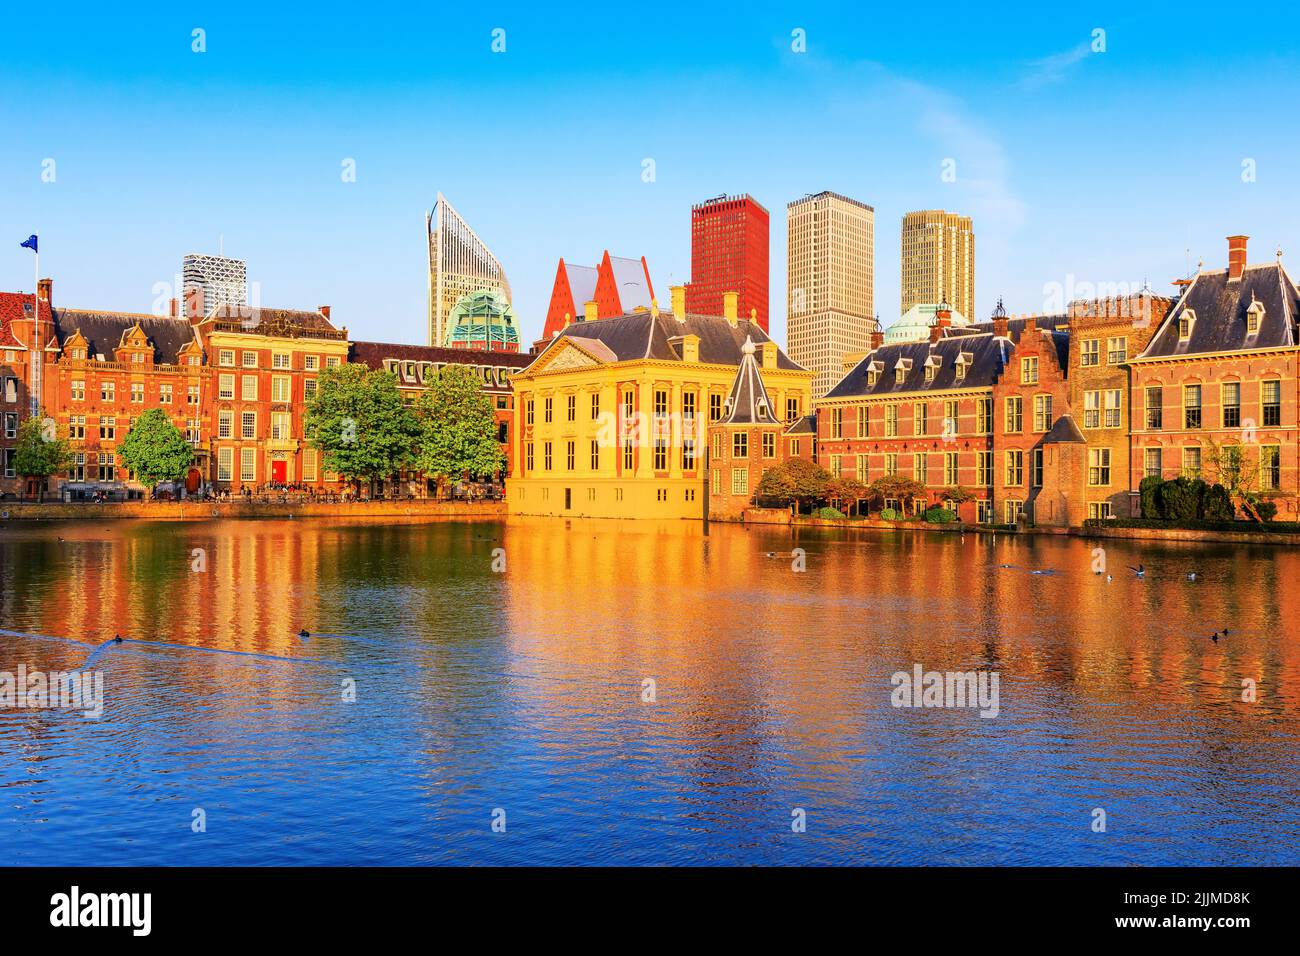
point(729, 253)
point(748, 439)
point(416, 365)
point(973, 408)
point(1222, 370)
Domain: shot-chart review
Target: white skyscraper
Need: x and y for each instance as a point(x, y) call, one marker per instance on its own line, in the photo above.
point(223, 281)
point(460, 263)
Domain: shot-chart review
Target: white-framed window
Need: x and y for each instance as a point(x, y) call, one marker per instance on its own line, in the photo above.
point(226, 357)
point(225, 463)
point(309, 463)
point(248, 425)
point(248, 359)
point(740, 481)
point(281, 360)
point(1098, 467)
point(311, 362)
point(280, 388)
point(226, 387)
point(248, 464)
point(248, 388)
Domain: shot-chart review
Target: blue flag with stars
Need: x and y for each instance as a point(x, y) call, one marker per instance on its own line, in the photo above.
point(30, 244)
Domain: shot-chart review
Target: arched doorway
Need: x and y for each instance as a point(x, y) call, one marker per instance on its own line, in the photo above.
point(192, 481)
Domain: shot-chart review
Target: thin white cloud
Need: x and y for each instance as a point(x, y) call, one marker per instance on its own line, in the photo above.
point(1053, 69)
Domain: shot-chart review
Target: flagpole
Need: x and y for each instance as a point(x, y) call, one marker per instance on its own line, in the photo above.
point(37, 345)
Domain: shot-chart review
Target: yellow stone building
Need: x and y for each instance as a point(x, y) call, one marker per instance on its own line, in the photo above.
point(611, 418)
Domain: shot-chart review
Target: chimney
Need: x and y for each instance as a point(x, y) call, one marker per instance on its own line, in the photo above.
point(678, 293)
point(325, 311)
point(729, 302)
point(1236, 256)
point(589, 311)
point(936, 333)
point(174, 307)
point(877, 338)
point(194, 303)
point(943, 313)
point(769, 354)
point(45, 291)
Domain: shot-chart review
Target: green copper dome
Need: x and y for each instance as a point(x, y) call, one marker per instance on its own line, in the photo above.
point(482, 320)
point(914, 324)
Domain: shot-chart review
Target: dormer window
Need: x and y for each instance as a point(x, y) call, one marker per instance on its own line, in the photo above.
point(900, 374)
point(872, 378)
point(929, 372)
point(762, 406)
point(1185, 323)
point(1254, 316)
point(963, 361)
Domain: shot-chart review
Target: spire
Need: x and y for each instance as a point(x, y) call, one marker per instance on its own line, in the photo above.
point(747, 402)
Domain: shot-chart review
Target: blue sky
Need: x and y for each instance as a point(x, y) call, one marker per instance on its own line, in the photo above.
point(1077, 166)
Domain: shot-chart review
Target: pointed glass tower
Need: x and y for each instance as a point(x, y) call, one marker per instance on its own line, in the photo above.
point(460, 264)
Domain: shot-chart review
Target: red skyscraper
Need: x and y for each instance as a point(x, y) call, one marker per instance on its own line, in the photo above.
point(729, 238)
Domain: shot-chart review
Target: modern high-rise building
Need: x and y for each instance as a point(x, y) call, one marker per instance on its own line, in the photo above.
point(830, 270)
point(223, 281)
point(729, 253)
point(460, 264)
point(938, 260)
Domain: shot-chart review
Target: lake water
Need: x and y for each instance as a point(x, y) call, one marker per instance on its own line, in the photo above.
point(520, 695)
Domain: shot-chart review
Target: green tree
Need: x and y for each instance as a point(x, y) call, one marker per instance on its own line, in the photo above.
point(155, 450)
point(41, 450)
point(458, 428)
point(1234, 469)
point(360, 424)
point(796, 480)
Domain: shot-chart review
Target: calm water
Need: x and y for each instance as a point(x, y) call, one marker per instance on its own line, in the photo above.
point(522, 691)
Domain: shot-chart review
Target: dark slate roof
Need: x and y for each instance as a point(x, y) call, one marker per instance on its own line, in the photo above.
point(988, 356)
point(424, 358)
point(1065, 430)
point(747, 402)
point(254, 316)
point(104, 330)
point(1220, 308)
point(804, 426)
point(373, 354)
point(1015, 327)
point(642, 335)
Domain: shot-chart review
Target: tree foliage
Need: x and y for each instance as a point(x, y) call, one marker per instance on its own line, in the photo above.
point(41, 450)
point(458, 427)
point(796, 480)
point(360, 424)
point(903, 489)
point(155, 450)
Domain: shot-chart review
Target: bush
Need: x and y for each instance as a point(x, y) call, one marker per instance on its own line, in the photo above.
point(1267, 510)
point(1180, 499)
point(830, 513)
point(1217, 504)
point(888, 514)
point(1149, 489)
point(939, 515)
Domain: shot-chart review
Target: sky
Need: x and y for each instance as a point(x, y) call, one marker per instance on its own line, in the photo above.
point(1098, 146)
